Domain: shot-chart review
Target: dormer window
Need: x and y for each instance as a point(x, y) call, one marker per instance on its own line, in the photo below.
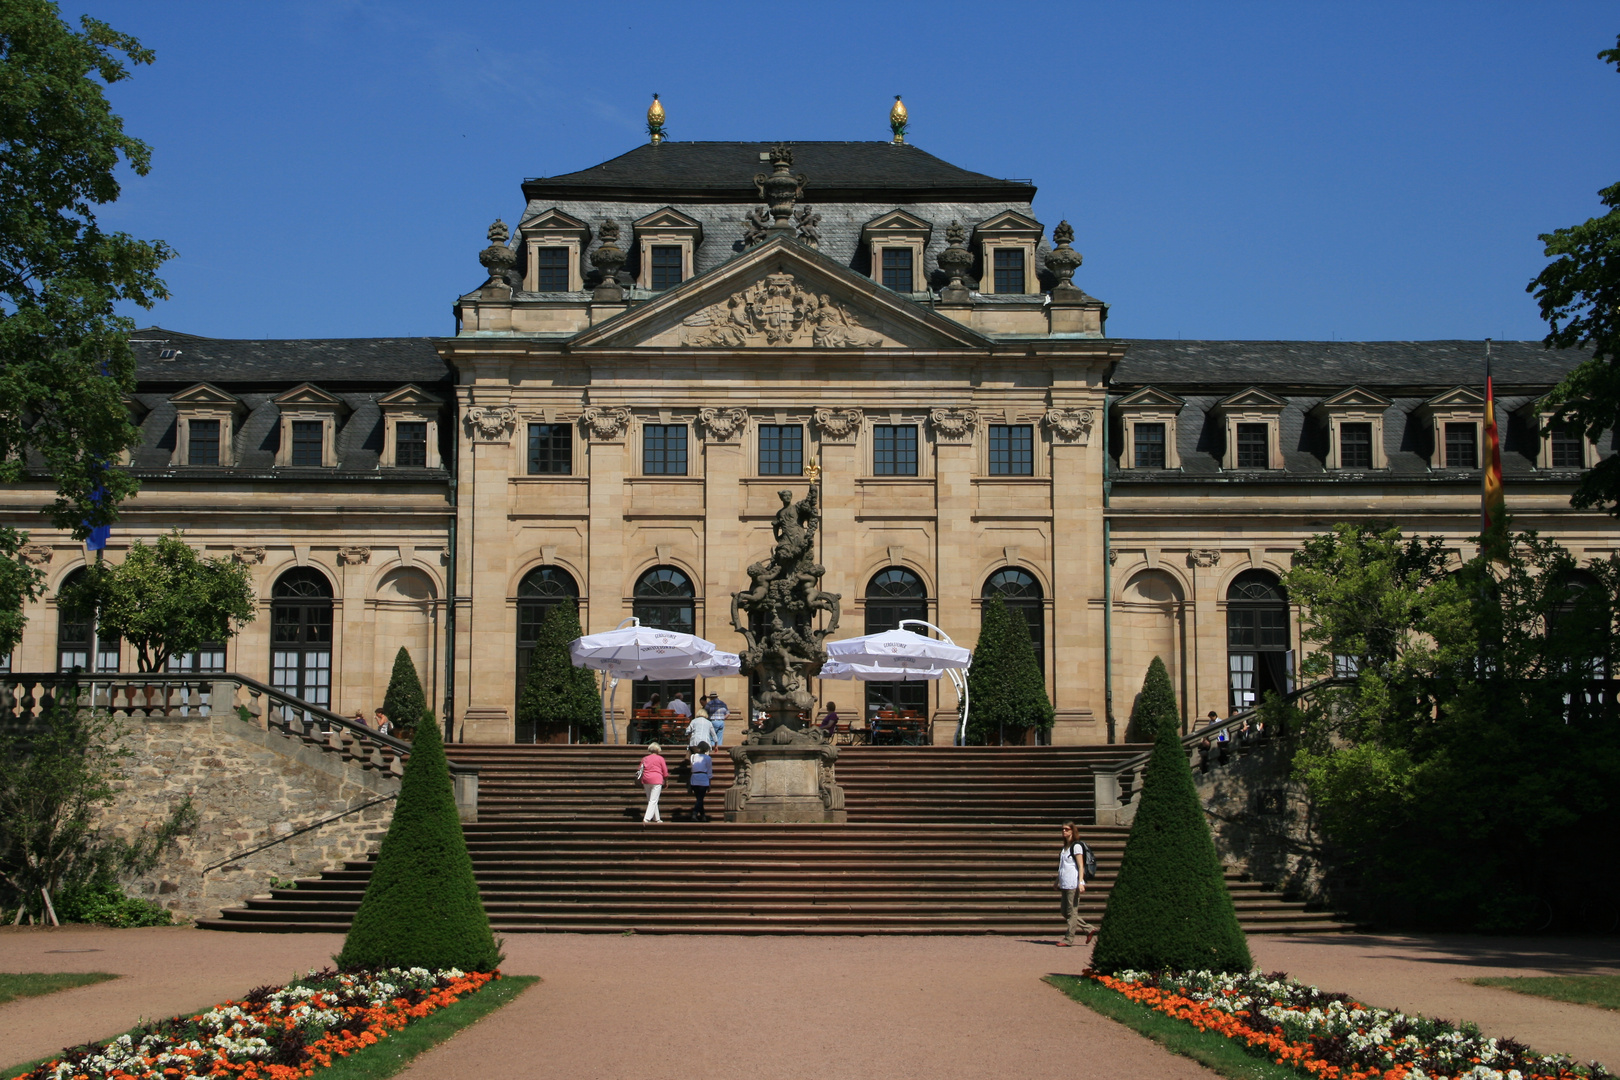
point(1007, 243)
point(897, 241)
point(1462, 445)
point(205, 425)
point(1148, 424)
point(1253, 429)
point(553, 242)
point(667, 242)
point(1457, 418)
point(411, 428)
point(1354, 419)
point(309, 424)
point(1566, 447)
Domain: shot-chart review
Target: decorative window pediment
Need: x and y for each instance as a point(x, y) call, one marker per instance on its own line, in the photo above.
point(309, 423)
point(214, 416)
point(1253, 399)
point(553, 242)
point(1457, 427)
point(1253, 429)
point(1150, 396)
point(1148, 419)
point(1354, 419)
point(897, 241)
point(1010, 224)
point(1006, 245)
point(1561, 445)
point(667, 241)
point(895, 224)
point(410, 428)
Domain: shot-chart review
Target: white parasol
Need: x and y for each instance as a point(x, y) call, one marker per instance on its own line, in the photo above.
point(899, 649)
point(837, 669)
point(641, 652)
point(713, 666)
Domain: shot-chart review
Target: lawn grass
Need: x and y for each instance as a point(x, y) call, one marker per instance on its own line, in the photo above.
point(1601, 991)
point(384, 1059)
point(35, 983)
point(1215, 1052)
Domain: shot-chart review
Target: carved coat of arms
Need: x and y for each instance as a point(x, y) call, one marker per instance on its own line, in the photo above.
point(777, 311)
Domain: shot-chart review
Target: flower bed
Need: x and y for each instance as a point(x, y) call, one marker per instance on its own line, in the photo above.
point(1333, 1037)
point(275, 1033)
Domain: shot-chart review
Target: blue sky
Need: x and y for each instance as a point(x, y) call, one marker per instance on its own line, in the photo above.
point(1232, 170)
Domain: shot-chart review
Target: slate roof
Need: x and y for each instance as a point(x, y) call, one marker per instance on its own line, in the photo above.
point(394, 361)
point(1338, 364)
point(726, 170)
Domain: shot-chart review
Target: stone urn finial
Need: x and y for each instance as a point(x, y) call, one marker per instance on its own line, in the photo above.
point(608, 258)
point(898, 120)
point(498, 258)
point(1063, 261)
point(780, 187)
point(955, 261)
point(655, 121)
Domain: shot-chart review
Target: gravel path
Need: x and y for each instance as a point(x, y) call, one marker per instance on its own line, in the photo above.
point(767, 1007)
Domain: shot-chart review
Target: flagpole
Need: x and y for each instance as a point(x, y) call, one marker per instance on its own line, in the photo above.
point(1490, 420)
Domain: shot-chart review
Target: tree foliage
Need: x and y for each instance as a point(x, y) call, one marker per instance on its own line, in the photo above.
point(1468, 769)
point(1155, 706)
point(1579, 294)
point(164, 599)
point(404, 703)
point(19, 583)
point(421, 907)
point(556, 693)
point(1006, 690)
point(1169, 909)
point(56, 777)
point(65, 361)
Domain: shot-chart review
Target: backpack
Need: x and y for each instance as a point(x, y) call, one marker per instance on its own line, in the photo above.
point(1087, 859)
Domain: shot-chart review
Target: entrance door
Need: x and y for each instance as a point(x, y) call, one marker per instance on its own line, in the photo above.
point(301, 636)
point(1257, 633)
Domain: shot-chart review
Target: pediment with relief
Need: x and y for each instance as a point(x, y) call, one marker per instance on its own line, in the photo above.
point(781, 295)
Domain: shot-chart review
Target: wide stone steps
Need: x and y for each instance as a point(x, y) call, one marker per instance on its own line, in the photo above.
point(941, 840)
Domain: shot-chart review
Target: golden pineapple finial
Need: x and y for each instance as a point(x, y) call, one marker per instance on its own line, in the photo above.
point(655, 121)
point(897, 120)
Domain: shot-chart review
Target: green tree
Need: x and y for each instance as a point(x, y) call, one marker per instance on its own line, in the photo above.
point(404, 703)
point(57, 776)
point(1006, 691)
point(19, 583)
point(65, 361)
point(1155, 705)
point(421, 906)
point(1169, 908)
point(163, 599)
point(555, 691)
point(1579, 294)
point(1464, 767)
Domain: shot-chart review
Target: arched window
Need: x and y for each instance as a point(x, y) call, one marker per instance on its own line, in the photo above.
point(1021, 594)
point(78, 638)
point(664, 598)
point(1257, 638)
point(894, 594)
point(301, 635)
point(541, 589)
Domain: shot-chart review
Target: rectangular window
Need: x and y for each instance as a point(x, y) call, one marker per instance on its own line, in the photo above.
point(894, 449)
point(551, 450)
point(307, 437)
point(1355, 446)
point(1149, 446)
point(410, 444)
point(209, 657)
point(5, 663)
point(663, 450)
point(203, 438)
point(1253, 446)
point(1462, 446)
point(1565, 448)
point(1009, 270)
point(897, 269)
point(1012, 450)
point(551, 269)
point(666, 267)
point(781, 450)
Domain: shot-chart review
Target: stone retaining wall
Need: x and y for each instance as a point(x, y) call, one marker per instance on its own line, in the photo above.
point(248, 786)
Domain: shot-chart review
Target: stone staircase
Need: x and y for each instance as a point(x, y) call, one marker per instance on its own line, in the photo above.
point(941, 840)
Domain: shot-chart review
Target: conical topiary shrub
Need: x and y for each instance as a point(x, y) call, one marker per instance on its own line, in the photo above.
point(555, 692)
point(421, 908)
point(1169, 908)
point(1006, 691)
point(404, 703)
point(1155, 705)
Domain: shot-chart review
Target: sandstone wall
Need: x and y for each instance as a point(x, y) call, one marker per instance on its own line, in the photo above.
point(249, 786)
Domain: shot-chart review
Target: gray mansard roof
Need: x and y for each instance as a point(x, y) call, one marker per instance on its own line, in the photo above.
point(392, 361)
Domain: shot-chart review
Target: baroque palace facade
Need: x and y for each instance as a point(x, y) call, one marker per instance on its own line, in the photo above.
point(674, 336)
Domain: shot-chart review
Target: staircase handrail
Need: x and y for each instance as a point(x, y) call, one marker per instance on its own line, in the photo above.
point(327, 717)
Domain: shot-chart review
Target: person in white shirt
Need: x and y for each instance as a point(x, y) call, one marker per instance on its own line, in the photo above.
point(699, 730)
point(679, 707)
point(1071, 882)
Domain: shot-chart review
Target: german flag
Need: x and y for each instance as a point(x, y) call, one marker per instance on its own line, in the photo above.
point(1493, 507)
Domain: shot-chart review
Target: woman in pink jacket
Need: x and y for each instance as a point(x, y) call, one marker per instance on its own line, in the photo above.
point(652, 774)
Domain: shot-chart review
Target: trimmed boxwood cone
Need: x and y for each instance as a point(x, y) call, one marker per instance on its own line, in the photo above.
point(1169, 908)
point(1155, 705)
point(421, 907)
point(404, 703)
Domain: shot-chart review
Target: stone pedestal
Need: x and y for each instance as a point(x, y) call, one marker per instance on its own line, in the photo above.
point(785, 775)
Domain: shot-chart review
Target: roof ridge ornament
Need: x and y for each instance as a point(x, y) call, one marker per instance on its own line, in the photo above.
point(1063, 261)
point(956, 260)
point(655, 121)
point(779, 188)
point(498, 258)
point(898, 121)
point(608, 258)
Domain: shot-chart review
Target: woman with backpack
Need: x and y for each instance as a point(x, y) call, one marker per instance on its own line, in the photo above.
point(1071, 882)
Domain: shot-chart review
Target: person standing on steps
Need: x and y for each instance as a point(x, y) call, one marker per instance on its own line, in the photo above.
point(718, 711)
point(1071, 882)
point(702, 777)
point(652, 774)
point(700, 730)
